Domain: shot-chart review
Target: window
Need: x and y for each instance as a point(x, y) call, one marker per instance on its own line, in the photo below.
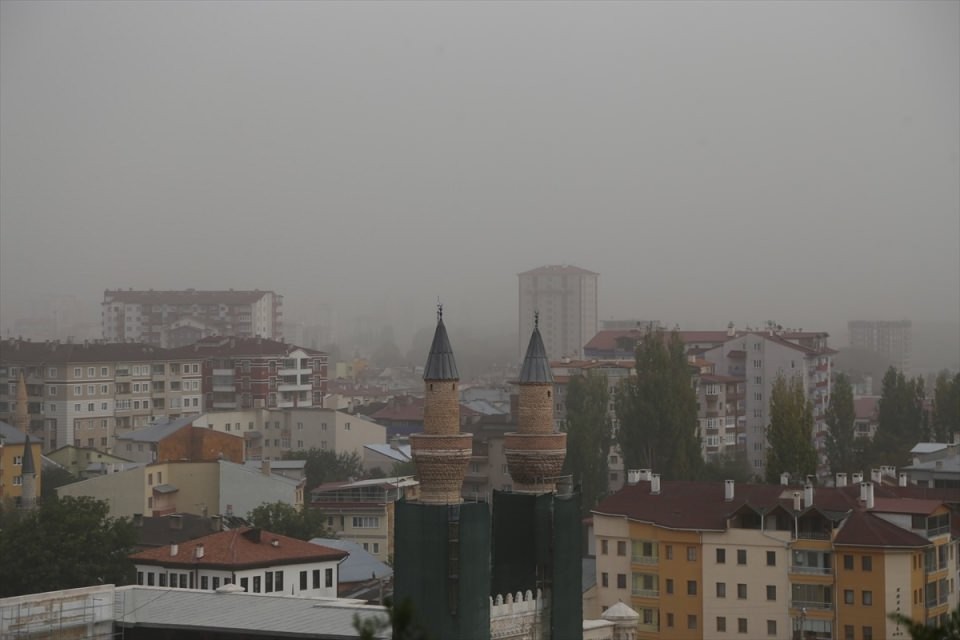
point(303, 581)
point(216, 582)
point(691, 587)
point(150, 579)
point(771, 558)
point(867, 598)
point(692, 554)
point(51, 390)
point(376, 547)
point(721, 589)
point(866, 563)
point(669, 619)
point(17, 461)
point(316, 578)
point(245, 582)
point(771, 627)
point(848, 632)
point(256, 584)
point(668, 551)
point(103, 372)
point(604, 579)
point(741, 591)
point(721, 623)
point(103, 388)
point(603, 547)
point(162, 580)
point(140, 577)
point(268, 582)
point(91, 372)
point(721, 556)
point(670, 585)
point(691, 622)
point(771, 592)
point(741, 625)
point(848, 562)
point(91, 406)
point(621, 581)
point(366, 522)
point(848, 596)
point(868, 633)
point(78, 389)
point(741, 556)
point(621, 548)
point(328, 575)
point(77, 372)
point(204, 583)
point(278, 581)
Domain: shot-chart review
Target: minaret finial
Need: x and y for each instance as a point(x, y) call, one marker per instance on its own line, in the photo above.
point(536, 319)
point(439, 310)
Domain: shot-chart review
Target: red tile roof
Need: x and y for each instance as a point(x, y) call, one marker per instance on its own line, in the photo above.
point(914, 506)
point(239, 549)
point(863, 529)
point(53, 352)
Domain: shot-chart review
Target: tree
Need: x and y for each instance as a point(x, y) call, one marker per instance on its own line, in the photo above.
point(63, 544)
point(842, 447)
point(900, 423)
point(327, 466)
point(53, 478)
point(588, 436)
point(287, 520)
point(657, 410)
point(790, 433)
point(728, 466)
point(401, 620)
point(946, 407)
point(950, 630)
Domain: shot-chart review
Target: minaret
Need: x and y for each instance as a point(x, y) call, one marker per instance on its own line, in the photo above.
point(441, 452)
point(28, 472)
point(535, 453)
point(21, 416)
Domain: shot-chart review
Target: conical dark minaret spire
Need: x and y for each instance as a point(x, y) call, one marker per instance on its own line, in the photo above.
point(28, 473)
point(441, 364)
point(536, 364)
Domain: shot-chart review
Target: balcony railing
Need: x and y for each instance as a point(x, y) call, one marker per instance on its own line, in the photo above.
point(811, 604)
point(937, 531)
point(645, 559)
point(811, 571)
point(813, 535)
point(646, 593)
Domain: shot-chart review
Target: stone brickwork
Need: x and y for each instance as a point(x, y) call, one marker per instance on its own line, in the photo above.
point(441, 465)
point(536, 408)
point(441, 409)
point(535, 460)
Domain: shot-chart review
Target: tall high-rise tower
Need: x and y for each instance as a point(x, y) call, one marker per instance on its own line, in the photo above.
point(566, 297)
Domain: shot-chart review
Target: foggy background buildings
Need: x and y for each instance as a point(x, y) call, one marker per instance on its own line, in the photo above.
point(714, 162)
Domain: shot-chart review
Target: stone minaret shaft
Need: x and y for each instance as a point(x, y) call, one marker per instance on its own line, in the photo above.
point(441, 452)
point(21, 416)
point(28, 473)
point(535, 453)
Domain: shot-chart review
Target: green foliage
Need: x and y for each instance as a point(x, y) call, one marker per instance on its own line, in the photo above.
point(54, 477)
point(728, 466)
point(588, 436)
point(657, 410)
point(64, 544)
point(919, 631)
point(790, 433)
point(946, 407)
point(403, 469)
point(901, 423)
point(287, 520)
point(326, 466)
point(400, 618)
point(843, 450)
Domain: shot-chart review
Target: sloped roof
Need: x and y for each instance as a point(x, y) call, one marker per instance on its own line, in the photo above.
point(159, 430)
point(244, 548)
point(237, 347)
point(360, 565)
point(536, 364)
point(401, 454)
point(52, 352)
point(441, 364)
point(863, 529)
point(10, 434)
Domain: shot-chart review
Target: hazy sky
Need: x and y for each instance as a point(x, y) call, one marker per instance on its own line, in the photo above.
point(713, 161)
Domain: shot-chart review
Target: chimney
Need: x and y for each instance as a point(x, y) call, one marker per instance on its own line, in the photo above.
point(274, 543)
point(731, 330)
point(174, 549)
point(395, 443)
point(785, 478)
point(633, 476)
point(857, 478)
point(841, 480)
point(876, 476)
point(198, 551)
point(866, 494)
point(646, 474)
point(265, 467)
point(728, 490)
point(216, 523)
point(796, 501)
point(808, 495)
point(902, 479)
point(655, 484)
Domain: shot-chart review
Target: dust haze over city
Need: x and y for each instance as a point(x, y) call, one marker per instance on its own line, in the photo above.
point(713, 162)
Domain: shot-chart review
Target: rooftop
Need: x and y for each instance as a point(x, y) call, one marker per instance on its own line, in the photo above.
point(232, 347)
point(360, 565)
point(184, 297)
point(159, 430)
point(558, 269)
point(864, 529)
point(441, 364)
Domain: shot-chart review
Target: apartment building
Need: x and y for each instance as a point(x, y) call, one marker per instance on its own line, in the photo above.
point(565, 297)
point(891, 339)
point(362, 511)
point(85, 393)
point(721, 410)
point(255, 560)
point(720, 560)
point(256, 373)
point(180, 440)
point(179, 318)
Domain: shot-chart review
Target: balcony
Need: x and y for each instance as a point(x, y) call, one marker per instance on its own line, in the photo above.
point(811, 604)
point(224, 388)
point(295, 372)
point(223, 372)
point(646, 593)
point(645, 559)
point(292, 387)
point(813, 535)
point(811, 571)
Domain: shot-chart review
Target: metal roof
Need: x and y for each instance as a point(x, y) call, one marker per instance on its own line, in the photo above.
point(246, 613)
point(536, 364)
point(160, 430)
point(360, 565)
point(440, 363)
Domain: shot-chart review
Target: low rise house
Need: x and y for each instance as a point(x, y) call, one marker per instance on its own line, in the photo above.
point(169, 440)
point(86, 462)
point(258, 561)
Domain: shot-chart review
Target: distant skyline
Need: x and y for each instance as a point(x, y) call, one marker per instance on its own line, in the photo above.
point(739, 161)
